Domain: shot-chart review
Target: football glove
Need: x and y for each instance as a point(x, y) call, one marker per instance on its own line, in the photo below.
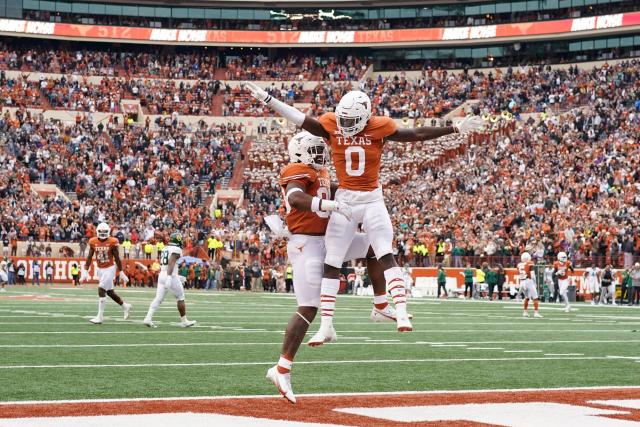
point(277, 226)
point(123, 277)
point(256, 92)
point(338, 207)
point(469, 124)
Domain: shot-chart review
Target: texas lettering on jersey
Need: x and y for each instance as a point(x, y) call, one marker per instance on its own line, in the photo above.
point(103, 251)
point(316, 183)
point(357, 159)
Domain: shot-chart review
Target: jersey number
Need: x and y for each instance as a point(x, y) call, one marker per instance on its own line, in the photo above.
point(164, 258)
point(322, 192)
point(359, 151)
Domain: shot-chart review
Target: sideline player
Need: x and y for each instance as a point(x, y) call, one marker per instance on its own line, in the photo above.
point(105, 249)
point(169, 279)
point(356, 140)
point(561, 269)
point(306, 188)
point(592, 277)
point(525, 274)
point(4, 275)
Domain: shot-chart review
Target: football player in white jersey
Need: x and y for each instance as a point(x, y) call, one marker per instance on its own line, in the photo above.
point(359, 271)
point(4, 275)
point(357, 139)
point(592, 279)
point(527, 284)
point(170, 280)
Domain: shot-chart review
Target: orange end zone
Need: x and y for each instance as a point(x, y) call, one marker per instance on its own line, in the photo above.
point(622, 408)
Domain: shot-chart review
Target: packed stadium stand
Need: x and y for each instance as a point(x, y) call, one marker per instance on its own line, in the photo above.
point(156, 133)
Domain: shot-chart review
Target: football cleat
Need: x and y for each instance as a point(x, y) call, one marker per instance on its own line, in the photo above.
point(149, 323)
point(96, 320)
point(282, 382)
point(387, 314)
point(127, 309)
point(538, 315)
point(525, 314)
point(323, 336)
point(567, 309)
point(404, 324)
point(187, 323)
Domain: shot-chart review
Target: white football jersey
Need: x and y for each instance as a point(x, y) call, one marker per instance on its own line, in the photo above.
point(164, 258)
point(592, 273)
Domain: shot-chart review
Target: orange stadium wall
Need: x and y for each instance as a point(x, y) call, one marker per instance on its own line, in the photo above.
point(62, 267)
point(430, 273)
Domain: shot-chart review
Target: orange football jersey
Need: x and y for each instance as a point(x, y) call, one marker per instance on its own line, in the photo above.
point(524, 270)
point(316, 183)
point(102, 250)
point(562, 269)
point(357, 158)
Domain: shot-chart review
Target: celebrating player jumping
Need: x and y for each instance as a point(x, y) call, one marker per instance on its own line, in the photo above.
point(356, 139)
point(307, 193)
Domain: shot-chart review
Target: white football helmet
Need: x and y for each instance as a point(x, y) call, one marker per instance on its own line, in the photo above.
point(353, 112)
point(562, 257)
point(308, 149)
point(525, 257)
point(103, 231)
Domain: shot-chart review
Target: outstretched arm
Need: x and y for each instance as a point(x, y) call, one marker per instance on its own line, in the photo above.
point(424, 133)
point(297, 198)
point(295, 116)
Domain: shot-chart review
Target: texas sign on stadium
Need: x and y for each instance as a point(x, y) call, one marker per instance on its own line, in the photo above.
point(348, 213)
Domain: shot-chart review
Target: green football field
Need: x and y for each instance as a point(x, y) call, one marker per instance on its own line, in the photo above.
point(49, 350)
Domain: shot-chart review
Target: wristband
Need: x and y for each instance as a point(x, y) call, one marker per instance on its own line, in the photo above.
point(315, 204)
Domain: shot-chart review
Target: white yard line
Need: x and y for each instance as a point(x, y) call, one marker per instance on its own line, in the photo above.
point(485, 348)
point(523, 351)
point(263, 396)
point(278, 331)
point(309, 362)
point(564, 354)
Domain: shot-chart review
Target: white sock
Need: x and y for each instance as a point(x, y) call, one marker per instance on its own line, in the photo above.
point(328, 292)
point(102, 302)
point(380, 300)
point(153, 307)
point(395, 285)
point(184, 318)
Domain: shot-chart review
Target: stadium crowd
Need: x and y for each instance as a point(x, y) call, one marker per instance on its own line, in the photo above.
point(144, 180)
point(575, 171)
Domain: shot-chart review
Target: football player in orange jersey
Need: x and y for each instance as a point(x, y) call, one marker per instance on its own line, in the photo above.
point(307, 192)
point(525, 274)
point(356, 139)
point(561, 269)
point(105, 248)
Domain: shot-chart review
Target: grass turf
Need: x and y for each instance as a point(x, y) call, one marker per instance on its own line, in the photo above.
point(456, 345)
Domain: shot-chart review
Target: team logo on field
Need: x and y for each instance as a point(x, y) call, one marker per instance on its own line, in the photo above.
point(620, 407)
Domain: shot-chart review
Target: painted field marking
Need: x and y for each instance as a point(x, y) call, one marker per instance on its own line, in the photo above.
point(564, 354)
point(485, 348)
point(279, 331)
point(523, 351)
point(627, 403)
point(339, 394)
point(307, 362)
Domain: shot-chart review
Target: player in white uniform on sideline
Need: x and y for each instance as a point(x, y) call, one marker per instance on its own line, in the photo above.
point(359, 271)
point(356, 139)
point(307, 189)
point(4, 275)
point(592, 279)
point(170, 280)
point(527, 284)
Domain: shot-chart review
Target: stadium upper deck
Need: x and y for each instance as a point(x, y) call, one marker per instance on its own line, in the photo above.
point(407, 24)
